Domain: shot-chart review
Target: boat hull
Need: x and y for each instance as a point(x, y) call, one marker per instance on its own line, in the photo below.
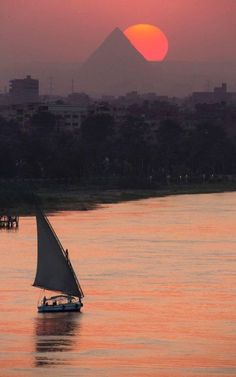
point(70, 307)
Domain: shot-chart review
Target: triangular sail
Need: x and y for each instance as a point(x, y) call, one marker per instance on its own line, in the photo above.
point(54, 270)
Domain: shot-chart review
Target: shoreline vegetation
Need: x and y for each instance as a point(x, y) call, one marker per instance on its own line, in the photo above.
point(19, 199)
point(142, 150)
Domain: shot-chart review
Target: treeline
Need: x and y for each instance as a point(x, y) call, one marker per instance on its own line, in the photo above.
point(129, 150)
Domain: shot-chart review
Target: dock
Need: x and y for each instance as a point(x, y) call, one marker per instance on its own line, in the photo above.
point(9, 221)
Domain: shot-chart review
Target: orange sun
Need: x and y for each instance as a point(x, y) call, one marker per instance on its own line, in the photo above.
point(149, 40)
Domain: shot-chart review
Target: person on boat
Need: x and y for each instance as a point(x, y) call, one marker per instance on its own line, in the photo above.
point(44, 300)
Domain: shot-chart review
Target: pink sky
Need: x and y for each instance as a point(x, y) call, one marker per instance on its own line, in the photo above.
point(69, 30)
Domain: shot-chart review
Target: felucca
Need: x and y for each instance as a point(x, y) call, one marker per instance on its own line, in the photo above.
point(55, 272)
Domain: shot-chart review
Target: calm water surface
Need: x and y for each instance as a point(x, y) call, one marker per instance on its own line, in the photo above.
point(159, 277)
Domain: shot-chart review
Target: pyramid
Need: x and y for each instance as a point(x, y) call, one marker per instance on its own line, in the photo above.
point(114, 68)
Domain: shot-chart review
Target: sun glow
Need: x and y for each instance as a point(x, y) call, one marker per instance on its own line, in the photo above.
point(149, 40)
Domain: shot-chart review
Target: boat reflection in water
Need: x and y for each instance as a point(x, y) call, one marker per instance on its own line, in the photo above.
point(55, 333)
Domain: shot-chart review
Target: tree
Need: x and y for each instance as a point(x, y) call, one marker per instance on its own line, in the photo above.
point(209, 150)
point(170, 147)
point(95, 142)
point(43, 123)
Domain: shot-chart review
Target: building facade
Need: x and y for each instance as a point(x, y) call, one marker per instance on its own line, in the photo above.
point(24, 91)
point(218, 95)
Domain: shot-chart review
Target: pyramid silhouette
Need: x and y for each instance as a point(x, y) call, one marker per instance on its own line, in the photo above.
point(115, 67)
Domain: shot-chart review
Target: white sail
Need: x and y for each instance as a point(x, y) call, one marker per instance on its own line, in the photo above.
point(54, 270)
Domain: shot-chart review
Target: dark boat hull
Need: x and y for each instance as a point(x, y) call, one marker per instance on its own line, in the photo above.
point(61, 308)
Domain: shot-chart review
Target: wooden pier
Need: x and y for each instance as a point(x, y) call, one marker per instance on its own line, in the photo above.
point(9, 221)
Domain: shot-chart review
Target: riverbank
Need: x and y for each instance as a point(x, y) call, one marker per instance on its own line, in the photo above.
point(53, 198)
point(80, 199)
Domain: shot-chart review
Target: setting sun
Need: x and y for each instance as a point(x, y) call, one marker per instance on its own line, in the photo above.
point(149, 40)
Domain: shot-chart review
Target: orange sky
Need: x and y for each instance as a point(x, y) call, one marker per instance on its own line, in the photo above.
point(69, 30)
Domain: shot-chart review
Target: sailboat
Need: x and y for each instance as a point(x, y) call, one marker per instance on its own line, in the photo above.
point(55, 272)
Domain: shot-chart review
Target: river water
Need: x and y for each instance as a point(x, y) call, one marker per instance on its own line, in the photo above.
point(159, 278)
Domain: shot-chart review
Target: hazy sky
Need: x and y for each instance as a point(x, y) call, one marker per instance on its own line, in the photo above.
point(69, 30)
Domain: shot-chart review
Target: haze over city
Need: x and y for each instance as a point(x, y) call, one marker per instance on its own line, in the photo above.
point(53, 38)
